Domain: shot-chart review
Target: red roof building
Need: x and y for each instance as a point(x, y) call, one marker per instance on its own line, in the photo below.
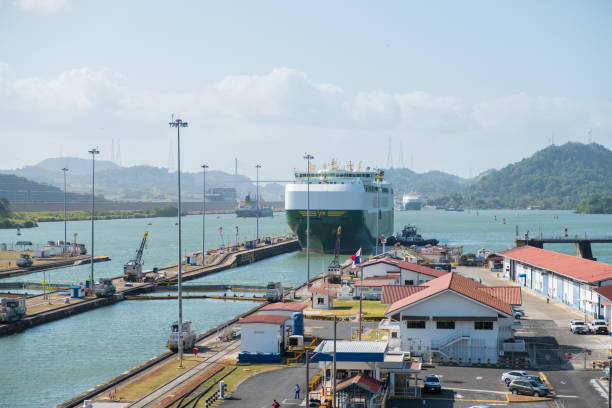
point(456, 283)
point(584, 270)
point(264, 318)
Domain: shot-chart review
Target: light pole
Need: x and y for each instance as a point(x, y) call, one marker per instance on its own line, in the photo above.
point(257, 190)
point(377, 214)
point(64, 248)
point(204, 167)
point(93, 153)
point(178, 124)
point(308, 158)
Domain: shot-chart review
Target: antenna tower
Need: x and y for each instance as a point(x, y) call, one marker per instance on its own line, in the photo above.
point(401, 164)
point(118, 154)
point(389, 156)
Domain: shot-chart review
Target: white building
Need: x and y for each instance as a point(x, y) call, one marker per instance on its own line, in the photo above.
point(570, 279)
point(371, 288)
point(323, 296)
point(453, 316)
point(262, 337)
point(293, 312)
point(410, 273)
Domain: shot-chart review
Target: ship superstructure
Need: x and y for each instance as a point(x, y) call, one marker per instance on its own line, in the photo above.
point(346, 198)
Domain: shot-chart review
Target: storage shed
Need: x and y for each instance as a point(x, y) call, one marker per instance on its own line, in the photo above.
point(262, 338)
point(293, 311)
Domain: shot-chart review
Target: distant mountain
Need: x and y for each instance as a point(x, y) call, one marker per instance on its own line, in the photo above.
point(146, 183)
point(557, 177)
point(15, 188)
point(429, 185)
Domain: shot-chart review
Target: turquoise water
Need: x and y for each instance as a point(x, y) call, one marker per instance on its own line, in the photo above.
point(51, 363)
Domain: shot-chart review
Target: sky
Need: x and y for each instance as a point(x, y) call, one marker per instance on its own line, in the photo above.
point(460, 87)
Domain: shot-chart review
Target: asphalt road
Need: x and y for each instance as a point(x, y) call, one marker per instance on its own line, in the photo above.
point(261, 389)
point(546, 332)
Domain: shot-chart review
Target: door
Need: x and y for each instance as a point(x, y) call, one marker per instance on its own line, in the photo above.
point(560, 288)
point(577, 295)
point(545, 284)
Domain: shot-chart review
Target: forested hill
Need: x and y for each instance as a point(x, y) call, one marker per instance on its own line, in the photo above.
point(557, 177)
point(431, 184)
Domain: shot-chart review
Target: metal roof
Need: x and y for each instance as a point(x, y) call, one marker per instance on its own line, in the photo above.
point(346, 346)
point(577, 268)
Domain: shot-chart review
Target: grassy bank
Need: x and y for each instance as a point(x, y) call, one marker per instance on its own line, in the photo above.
point(31, 219)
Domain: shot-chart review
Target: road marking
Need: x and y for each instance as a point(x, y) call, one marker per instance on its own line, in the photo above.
point(469, 390)
point(479, 378)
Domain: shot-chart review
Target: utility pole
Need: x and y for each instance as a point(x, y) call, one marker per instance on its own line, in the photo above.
point(257, 190)
point(64, 247)
point(178, 124)
point(609, 381)
point(308, 158)
point(204, 167)
point(308, 381)
point(360, 303)
point(334, 369)
point(93, 153)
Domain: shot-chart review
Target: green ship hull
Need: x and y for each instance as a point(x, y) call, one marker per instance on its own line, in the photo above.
point(358, 229)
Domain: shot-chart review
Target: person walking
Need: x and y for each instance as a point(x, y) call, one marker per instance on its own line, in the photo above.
point(275, 404)
point(297, 391)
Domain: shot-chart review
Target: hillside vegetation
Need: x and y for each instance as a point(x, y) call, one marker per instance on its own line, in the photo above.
point(595, 205)
point(557, 177)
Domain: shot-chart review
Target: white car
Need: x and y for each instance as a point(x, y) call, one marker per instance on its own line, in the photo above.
point(598, 327)
point(513, 375)
point(578, 326)
point(518, 313)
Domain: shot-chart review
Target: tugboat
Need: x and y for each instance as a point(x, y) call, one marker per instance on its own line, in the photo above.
point(409, 237)
point(249, 208)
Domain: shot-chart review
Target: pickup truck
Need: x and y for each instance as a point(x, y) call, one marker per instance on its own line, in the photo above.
point(578, 326)
point(598, 327)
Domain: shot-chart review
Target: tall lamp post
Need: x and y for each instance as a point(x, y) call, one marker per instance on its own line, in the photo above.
point(377, 213)
point(93, 153)
point(64, 248)
point(178, 124)
point(257, 193)
point(204, 167)
point(308, 158)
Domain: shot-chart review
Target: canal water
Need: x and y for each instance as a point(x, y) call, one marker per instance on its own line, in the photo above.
point(54, 362)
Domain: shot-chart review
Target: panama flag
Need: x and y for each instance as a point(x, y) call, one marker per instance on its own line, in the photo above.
point(355, 258)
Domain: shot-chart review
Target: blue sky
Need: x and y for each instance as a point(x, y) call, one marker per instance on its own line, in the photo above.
point(456, 82)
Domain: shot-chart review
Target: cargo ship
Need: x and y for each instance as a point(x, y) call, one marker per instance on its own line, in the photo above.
point(412, 202)
point(250, 208)
point(340, 198)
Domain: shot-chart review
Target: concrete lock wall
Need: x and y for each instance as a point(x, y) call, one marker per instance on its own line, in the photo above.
point(261, 338)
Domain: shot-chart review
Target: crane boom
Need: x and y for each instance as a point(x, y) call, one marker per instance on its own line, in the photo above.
point(138, 258)
point(334, 273)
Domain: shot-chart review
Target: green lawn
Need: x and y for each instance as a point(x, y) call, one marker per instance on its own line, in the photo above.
point(370, 308)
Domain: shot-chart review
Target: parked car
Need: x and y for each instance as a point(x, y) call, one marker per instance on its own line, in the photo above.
point(432, 383)
point(513, 375)
point(518, 313)
point(578, 326)
point(528, 387)
point(598, 326)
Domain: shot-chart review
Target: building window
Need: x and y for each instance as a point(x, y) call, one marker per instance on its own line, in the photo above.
point(394, 335)
point(320, 301)
point(415, 324)
point(483, 325)
point(409, 282)
point(450, 324)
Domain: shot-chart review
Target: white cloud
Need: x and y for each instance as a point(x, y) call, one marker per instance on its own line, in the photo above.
point(42, 6)
point(284, 111)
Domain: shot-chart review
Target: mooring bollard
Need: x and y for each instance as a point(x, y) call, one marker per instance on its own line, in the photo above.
point(478, 362)
point(459, 361)
point(450, 361)
point(488, 361)
point(469, 361)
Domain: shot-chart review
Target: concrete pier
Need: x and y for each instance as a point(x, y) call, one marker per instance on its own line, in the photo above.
point(42, 310)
